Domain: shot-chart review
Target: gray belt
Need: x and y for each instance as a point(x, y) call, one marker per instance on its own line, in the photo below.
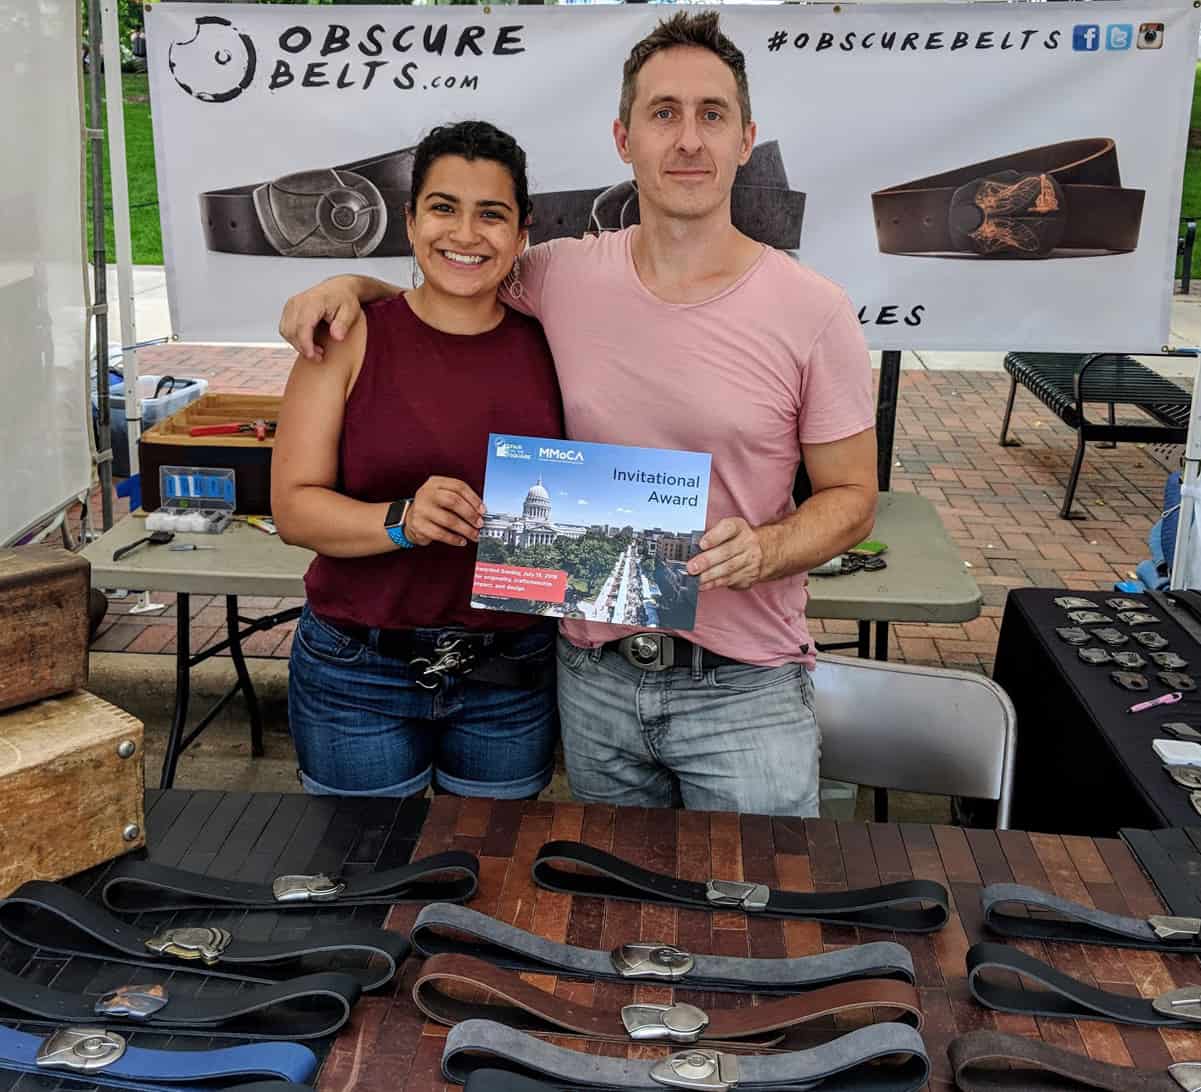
point(445, 928)
point(1078, 924)
point(844, 1064)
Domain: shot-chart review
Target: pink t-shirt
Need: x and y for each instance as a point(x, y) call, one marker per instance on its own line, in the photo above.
point(776, 360)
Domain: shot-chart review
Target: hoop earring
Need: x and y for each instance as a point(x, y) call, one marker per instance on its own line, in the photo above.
point(418, 277)
point(512, 282)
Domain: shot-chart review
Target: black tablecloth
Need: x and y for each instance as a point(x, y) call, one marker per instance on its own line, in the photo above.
point(1084, 764)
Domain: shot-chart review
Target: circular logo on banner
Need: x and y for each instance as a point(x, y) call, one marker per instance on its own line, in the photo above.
point(216, 64)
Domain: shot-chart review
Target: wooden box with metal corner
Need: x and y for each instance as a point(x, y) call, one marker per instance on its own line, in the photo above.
point(44, 596)
point(71, 787)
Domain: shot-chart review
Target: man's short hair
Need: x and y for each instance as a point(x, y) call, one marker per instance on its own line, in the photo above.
point(683, 29)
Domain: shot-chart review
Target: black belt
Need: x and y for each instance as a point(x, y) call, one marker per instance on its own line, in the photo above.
point(476, 657)
point(1067, 998)
point(1078, 924)
point(911, 906)
point(444, 928)
point(133, 886)
point(848, 1062)
point(58, 919)
point(988, 1061)
point(659, 651)
point(299, 1008)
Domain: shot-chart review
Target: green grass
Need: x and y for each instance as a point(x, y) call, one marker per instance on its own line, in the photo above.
point(144, 227)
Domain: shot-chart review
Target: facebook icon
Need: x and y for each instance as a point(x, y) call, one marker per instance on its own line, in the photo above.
point(1119, 35)
point(1086, 37)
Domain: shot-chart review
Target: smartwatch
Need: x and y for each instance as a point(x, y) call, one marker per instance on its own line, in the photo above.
point(394, 523)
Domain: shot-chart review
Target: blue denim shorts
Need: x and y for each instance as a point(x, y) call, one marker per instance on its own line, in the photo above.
point(363, 727)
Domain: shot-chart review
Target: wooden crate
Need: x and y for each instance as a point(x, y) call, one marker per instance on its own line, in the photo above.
point(168, 444)
point(71, 787)
point(44, 637)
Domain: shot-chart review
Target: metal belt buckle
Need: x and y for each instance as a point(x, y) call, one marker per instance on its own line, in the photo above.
point(746, 896)
point(679, 1023)
point(201, 942)
point(1188, 776)
point(80, 1048)
point(322, 214)
point(1187, 1075)
point(136, 1002)
point(448, 660)
point(648, 651)
point(1170, 928)
point(651, 961)
point(1182, 1004)
point(317, 888)
point(1012, 214)
point(704, 1069)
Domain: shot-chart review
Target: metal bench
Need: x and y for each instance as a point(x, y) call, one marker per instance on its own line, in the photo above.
point(1066, 382)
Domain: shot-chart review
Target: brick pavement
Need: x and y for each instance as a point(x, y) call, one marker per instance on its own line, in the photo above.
point(999, 504)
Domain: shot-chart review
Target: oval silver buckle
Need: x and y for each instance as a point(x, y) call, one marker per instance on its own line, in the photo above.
point(80, 1048)
point(202, 942)
point(708, 1070)
point(315, 888)
point(679, 1023)
point(651, 961)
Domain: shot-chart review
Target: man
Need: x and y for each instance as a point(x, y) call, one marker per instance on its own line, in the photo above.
point(684, 333)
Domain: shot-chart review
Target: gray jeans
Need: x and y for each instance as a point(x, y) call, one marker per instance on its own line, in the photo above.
point(733, 738)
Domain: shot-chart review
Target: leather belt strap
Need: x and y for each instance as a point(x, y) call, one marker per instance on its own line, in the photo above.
point(57, 919)
point(132, 887)
point(1078, 924)
point(989, 1061)
point(103, 1058)
point(1036, 203)
point(300, 1008)
point(912, 906)
point(443, 928)
point(1065, 997)
point(516, 1003)
point(845, 1063)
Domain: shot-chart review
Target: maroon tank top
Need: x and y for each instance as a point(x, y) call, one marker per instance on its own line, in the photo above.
point(423, 404)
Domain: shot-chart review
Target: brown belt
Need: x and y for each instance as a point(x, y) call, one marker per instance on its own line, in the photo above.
point(512, 1001)
point(988, 1061)
point(1053, 201)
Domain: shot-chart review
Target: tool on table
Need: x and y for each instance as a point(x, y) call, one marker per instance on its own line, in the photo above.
point(155, 538)
point(261, 429)
point(1166, 699)
point(263, 523)
point(190, 546)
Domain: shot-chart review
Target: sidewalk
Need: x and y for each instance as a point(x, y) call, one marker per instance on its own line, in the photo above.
point(999, 505)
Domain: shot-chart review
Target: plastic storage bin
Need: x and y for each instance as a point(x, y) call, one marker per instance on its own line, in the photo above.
point(175, 393)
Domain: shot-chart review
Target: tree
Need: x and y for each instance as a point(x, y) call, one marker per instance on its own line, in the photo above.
point(492, 549)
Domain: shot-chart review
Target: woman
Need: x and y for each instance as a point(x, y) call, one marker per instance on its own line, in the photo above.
point(378, 467)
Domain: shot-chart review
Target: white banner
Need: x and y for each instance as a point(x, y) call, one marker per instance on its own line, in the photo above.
point(1028, 237)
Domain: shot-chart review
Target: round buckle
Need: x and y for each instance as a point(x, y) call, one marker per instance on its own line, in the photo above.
point(644, 648)
point(1008, 215)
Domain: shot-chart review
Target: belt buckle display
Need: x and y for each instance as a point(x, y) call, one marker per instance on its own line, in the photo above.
point(448, 661)
point(1172, 928)
point(648, 651)
point(651, 961)
point(1187, 1075)
point(745, 896)
point(709, 1070)
point(1008, 213)
point(324, 213)
point(136, 1002)
point(316, 888)
point(80, 1048)
point(679, 1023)
point(199, 942)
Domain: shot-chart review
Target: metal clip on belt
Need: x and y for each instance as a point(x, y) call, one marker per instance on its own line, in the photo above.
point(442, 928)
point(988, 1061)
point(515, 1003)
point(1065, 997)
point(132, 887)
point(912, 906)
point(300, 1008)
point(104, 1058)
point(1078, 924)
point(59, 919)
point(845, 1063)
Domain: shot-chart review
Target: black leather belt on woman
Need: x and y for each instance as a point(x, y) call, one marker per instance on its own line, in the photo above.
point(57, 919)
point(478, 657)
point(1055, 201)
point(660, 651)
point(134, 887)
point(882, 1058)
point(442, 928)
point(989, 1061)
point(909, 906)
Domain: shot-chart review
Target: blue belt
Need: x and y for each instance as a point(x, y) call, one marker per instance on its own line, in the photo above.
point(102, 1057)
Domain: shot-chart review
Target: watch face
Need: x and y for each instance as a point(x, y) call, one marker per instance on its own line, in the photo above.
point(397, 511)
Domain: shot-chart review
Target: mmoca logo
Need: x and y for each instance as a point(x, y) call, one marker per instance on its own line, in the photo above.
point(216, 64)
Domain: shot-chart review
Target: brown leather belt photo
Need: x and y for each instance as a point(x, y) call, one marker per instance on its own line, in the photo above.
point(1058, 201)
